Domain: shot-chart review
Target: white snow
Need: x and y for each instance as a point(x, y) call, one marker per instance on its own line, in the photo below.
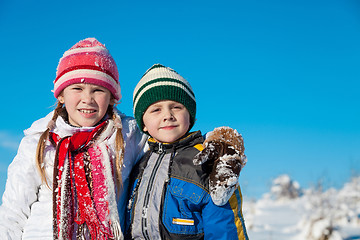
point(312, 214)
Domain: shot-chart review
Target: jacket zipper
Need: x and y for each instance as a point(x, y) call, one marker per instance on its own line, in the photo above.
point(144, 226)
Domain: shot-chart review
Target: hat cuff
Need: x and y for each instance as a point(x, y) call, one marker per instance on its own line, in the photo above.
point(90, 77)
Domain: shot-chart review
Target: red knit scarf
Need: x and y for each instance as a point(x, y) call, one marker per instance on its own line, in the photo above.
point(80, 191)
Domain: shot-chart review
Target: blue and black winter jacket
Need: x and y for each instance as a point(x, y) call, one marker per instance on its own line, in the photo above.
point(170, 197)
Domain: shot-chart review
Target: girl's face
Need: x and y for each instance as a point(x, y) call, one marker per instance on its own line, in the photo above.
point(166, 121)
point(86, 104)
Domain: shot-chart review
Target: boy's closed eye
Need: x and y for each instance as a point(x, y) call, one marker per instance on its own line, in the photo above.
point(154, 110)
point(178, 107)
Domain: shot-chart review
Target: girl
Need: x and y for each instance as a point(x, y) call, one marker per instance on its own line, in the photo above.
point(69, 179)
point(77, 149)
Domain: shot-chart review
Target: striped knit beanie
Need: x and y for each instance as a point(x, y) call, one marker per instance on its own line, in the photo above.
point(162, 83)
point(88, 61)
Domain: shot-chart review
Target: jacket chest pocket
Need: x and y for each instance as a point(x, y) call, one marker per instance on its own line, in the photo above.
point(182, 207)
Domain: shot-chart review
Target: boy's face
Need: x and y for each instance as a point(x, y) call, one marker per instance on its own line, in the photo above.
point(166, 121)
point(86, 104)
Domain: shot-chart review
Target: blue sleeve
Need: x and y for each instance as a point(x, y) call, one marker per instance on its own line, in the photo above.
point(225, 222)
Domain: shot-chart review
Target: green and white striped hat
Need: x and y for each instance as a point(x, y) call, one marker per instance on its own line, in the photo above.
point(162, 83)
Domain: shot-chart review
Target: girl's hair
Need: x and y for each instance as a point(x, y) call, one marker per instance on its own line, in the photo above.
point(119, 144)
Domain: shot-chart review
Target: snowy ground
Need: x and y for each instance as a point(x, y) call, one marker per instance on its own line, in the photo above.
point(289, 213)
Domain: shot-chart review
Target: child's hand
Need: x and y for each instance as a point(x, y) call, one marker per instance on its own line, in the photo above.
point(225, 148)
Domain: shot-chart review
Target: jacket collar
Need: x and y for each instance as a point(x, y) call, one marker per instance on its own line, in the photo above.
point(62, 128)
point(189, 139)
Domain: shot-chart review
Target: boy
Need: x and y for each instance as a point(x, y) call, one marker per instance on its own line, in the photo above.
point(170, 195)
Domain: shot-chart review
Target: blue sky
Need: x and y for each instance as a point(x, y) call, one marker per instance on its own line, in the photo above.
point(285, 74)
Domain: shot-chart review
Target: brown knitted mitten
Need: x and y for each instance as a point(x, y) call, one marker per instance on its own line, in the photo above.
point(225, 148)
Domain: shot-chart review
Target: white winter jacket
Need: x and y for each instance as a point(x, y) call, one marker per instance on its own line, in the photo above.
point(27, 209)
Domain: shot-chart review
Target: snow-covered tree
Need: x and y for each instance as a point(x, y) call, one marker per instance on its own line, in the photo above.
point(284, 188)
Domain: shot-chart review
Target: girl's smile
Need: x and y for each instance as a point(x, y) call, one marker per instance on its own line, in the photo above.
point(85, 111)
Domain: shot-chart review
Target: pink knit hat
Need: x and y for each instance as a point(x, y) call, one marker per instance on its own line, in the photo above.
point(88, 61)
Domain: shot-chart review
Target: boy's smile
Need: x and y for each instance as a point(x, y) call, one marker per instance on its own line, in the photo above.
point(86, 104)
point(166, 121)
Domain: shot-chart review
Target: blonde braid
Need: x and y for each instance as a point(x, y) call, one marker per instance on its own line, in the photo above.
point(119, 145)
point(41, 144)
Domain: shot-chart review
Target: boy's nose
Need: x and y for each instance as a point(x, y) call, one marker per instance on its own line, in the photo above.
point(168, 115)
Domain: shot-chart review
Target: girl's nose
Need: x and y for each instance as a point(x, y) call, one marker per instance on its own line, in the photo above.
point(87, 97)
